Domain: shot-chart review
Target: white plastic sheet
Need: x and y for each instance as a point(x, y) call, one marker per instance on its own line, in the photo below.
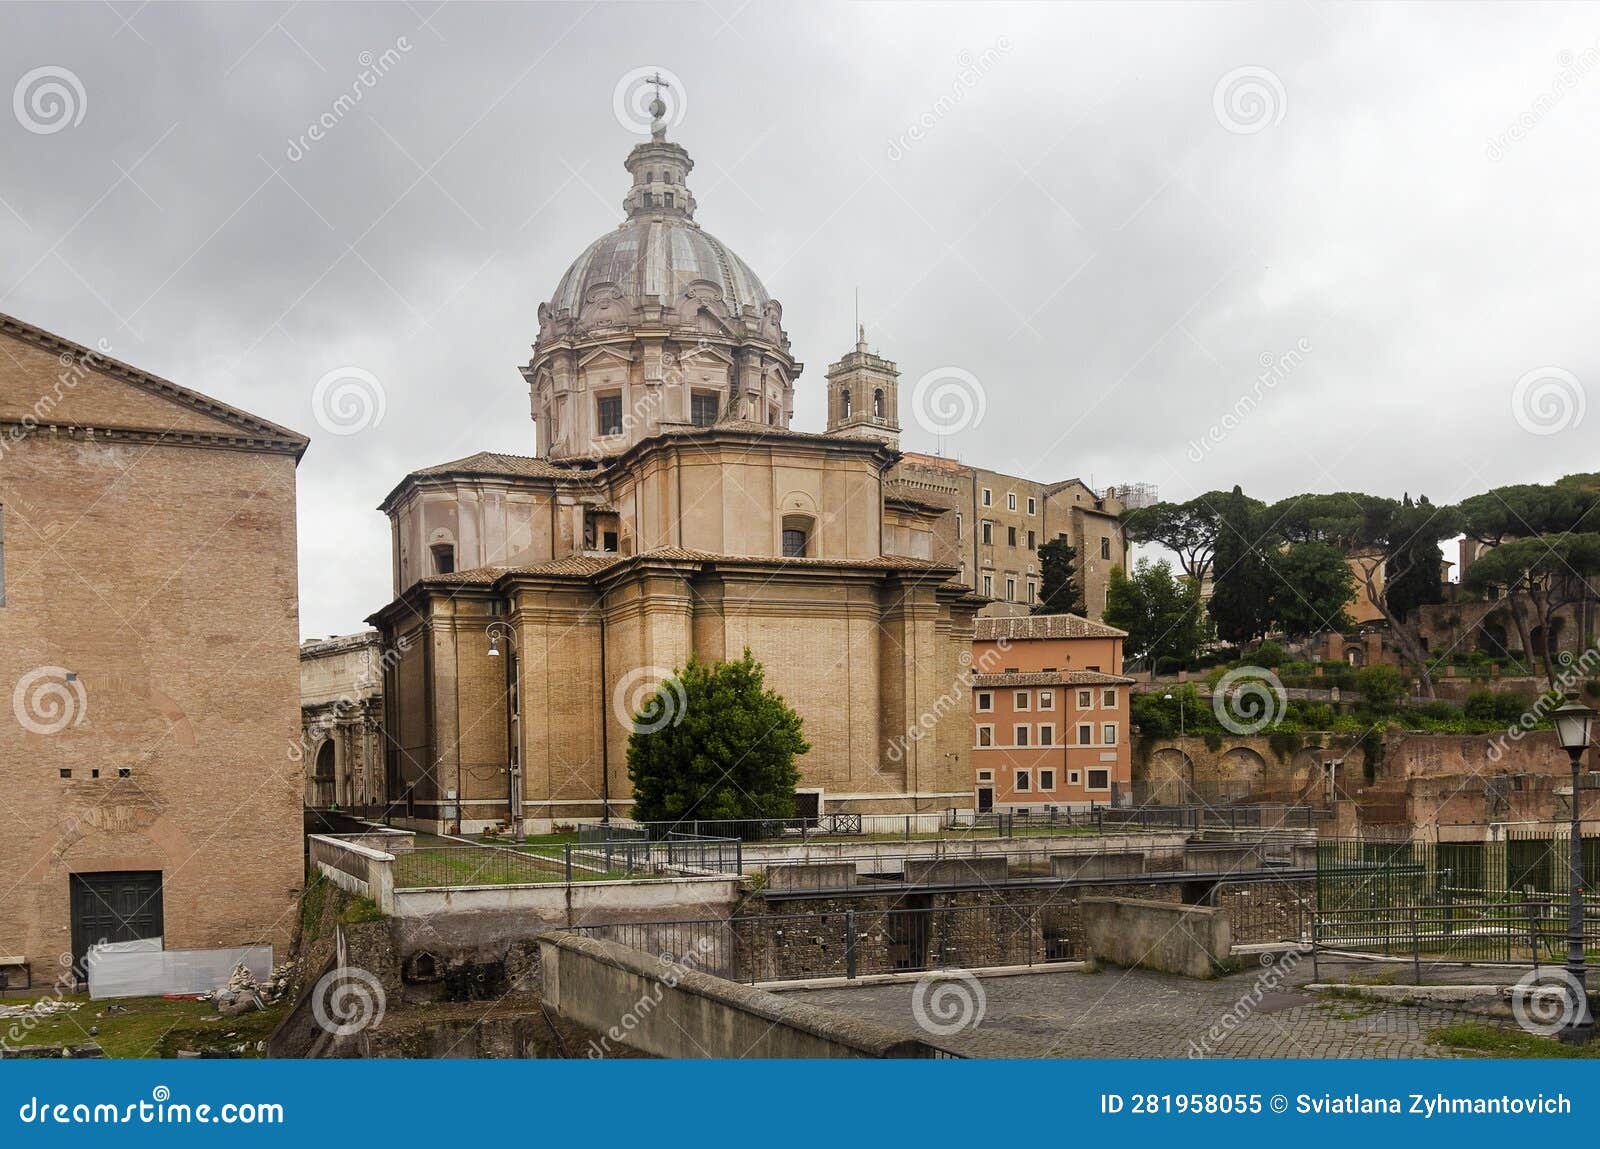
point(143, 969)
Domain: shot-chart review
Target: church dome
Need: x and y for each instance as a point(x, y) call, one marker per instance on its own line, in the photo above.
point(666, 255)
point(657, 325)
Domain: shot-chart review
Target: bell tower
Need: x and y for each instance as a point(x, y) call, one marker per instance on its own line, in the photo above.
point(864, 395)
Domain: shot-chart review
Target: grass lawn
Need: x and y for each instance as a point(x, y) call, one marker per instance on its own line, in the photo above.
point(1493, 1041)
point(142, 1026)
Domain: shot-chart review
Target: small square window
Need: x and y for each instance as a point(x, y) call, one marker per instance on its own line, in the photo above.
point(124, 772)
point(985, 701)
point(1019, 700)
point(703, 409)
point(66, 772)
point(1072, 777)
point(1047, 700)
point(1085, 699)
point(1108, 699)
point(986, 775)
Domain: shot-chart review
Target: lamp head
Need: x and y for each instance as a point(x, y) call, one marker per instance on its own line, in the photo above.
point(1574, 724)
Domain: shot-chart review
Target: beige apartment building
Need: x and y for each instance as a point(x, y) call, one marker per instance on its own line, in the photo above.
point(997, 522)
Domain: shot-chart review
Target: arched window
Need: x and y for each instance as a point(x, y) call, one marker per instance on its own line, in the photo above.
point(877, 403)
point(844, 404)
point(797, 536)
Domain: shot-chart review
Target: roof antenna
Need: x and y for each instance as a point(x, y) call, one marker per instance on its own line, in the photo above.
point(858, 311)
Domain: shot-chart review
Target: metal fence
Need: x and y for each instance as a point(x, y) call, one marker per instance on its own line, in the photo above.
point(913, 938)
point(605, 860)
point(882, 826)
point(1504, 900)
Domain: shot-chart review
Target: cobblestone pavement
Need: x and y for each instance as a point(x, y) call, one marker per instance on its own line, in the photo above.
point(1133, 1013)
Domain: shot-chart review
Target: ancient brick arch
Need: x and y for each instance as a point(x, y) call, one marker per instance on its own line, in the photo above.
point(1170, 774)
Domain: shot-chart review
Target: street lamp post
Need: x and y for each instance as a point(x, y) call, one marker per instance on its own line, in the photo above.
point(1574, 724)
point(501, 632)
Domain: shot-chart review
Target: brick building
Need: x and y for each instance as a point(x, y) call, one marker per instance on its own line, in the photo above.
point(148, 598)
point(1050, 711)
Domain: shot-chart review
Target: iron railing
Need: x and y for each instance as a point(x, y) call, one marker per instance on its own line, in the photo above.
point(535, 863)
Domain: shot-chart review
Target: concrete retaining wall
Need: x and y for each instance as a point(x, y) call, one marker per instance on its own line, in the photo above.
point(953, 871)
point(485, 919)
point(1089, 866)
point(1194, 941)
point(635, 1001)
point(1221, 859)
point(870, 857)
point(811, 876)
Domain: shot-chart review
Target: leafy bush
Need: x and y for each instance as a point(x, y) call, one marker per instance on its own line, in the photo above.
point(1268, 654)
point(1381, 686)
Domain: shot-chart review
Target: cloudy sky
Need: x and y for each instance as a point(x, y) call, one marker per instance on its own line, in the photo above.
point(1100, 221)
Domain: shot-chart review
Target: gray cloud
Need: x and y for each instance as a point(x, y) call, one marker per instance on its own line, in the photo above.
point(1045, 197)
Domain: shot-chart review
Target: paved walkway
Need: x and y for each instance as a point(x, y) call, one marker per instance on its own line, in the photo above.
point(1132, 1013)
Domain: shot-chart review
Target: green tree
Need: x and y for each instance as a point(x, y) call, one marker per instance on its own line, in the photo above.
point(1241, 595)
point(1161, 613)
point(1381, 687)
point(1059, 592)
point(1311, 587)
point(1189, 530)
point(714, 742)
point(1387, 540)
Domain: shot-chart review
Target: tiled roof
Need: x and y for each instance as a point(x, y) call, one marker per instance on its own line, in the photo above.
point(495, 463)
point(1043, 626)
point(1052, 678)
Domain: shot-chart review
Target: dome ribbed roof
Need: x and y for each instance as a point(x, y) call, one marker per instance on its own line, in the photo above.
point(659, 255)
